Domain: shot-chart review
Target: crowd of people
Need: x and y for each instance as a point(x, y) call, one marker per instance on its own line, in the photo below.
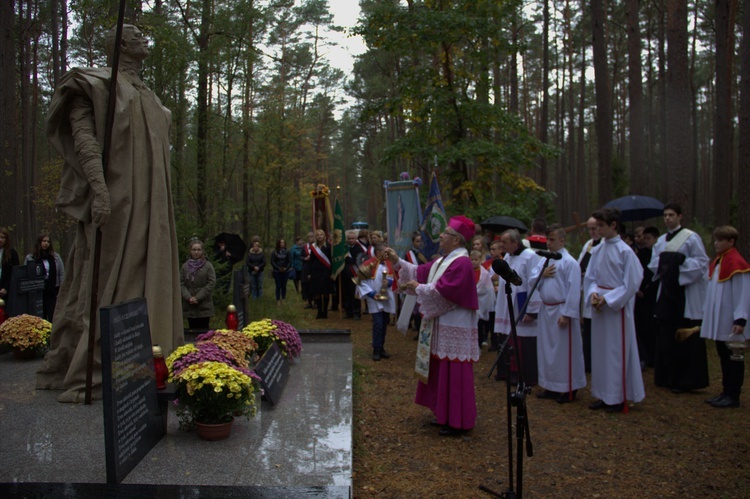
point(618, 309)
point(626, 304)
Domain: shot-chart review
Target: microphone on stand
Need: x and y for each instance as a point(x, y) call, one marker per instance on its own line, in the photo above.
point(501, 268)
point(552, 255)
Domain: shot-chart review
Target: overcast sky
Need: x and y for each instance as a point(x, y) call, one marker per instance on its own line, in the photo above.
point(345, 13)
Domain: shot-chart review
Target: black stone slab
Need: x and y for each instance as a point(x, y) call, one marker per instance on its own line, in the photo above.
point(273, 370)
point(325, 335)
point(26, 290)
point(97, 490)
point(132, 418)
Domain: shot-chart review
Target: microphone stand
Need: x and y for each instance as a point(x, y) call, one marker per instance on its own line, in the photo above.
point(516, 399)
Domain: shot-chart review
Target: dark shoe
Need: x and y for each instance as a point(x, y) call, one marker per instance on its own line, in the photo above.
point(678, 391)
point(715, 399)
point(614, 408)
point(357, 317)
point(451, 432)
point(434, 422)
point(599, 404)
point(492, 349)
point(726, 402)
point(348, 316)
point(564, 398)
point(384, 354)
point(376, 355)
point(548, 394)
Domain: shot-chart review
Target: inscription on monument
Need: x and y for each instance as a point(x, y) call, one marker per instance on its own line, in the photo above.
point(26, 290)
point(132, 420)
point(273, 370)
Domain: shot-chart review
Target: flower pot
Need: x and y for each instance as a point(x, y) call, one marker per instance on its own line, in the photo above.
point(213, 432)
point(26, 354)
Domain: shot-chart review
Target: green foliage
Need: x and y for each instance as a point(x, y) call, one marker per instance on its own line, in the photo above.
point(620, 177)
point(54, 221)
point(437, 59)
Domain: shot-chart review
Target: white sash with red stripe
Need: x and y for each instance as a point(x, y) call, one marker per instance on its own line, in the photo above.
point(320, 255)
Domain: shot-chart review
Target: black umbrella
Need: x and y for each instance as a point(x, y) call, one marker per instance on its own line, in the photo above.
point(502, 223)
point(637, 208)
point(234, 244)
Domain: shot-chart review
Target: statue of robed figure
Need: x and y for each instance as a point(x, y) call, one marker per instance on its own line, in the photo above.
point(131, 206)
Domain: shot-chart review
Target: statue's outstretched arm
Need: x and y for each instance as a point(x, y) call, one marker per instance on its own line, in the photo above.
point(89, 155)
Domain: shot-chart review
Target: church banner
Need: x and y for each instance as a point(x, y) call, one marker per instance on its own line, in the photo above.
point(322, 216)
point(434, 219)
point(402, 212)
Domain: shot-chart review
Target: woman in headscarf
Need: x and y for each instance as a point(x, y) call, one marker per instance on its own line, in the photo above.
point(197, 281)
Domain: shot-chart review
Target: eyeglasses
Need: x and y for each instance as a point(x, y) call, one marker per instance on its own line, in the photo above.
point(450, 232)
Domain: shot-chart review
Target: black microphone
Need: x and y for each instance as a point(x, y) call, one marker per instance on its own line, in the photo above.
point(552, 255)
point(501, 268)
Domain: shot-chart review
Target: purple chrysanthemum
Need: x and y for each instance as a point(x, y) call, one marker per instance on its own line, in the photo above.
point(289, 335)
point(207, 351)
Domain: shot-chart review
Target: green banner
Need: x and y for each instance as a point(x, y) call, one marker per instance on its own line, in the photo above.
point(338, 242)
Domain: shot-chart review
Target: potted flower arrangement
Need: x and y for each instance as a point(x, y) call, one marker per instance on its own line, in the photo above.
point(27, 335)
point(241, 346)
point(266, 332)
point(212, 387)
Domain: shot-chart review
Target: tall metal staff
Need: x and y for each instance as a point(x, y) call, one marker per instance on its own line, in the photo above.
point(112, 100)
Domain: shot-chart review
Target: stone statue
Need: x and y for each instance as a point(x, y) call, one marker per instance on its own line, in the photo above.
point(132, 207)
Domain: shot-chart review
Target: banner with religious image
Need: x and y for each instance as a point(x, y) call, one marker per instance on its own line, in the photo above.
point(402, 212)
point(322, 215)
point(434, 219)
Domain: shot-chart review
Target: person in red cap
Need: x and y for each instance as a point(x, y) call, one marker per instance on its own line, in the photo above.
point(448, 340)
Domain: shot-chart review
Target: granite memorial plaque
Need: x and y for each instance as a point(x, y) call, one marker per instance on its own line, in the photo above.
point(273, 370)
point(26, 290)
point(132, 419)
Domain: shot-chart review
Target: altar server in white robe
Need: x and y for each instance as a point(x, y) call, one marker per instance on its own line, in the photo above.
point(522, 260)
point(559, 346)
point(727, 310)
point(612, 280)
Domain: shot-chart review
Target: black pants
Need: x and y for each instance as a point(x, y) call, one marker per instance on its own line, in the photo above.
point(306, 291)
point(526, 350)
point(49, 301)
point(199, 322)
point(322, 303)
point(732, 371)
point(484, 330)
point(352, 306)
point(681, 365)
point(586, 339)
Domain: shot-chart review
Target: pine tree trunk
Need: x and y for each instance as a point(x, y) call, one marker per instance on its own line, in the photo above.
point(638, 178)
point(678, 140)
point(603, 101)
point(743, 203)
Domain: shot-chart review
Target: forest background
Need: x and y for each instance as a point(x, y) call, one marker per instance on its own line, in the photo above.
point(548, 108)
